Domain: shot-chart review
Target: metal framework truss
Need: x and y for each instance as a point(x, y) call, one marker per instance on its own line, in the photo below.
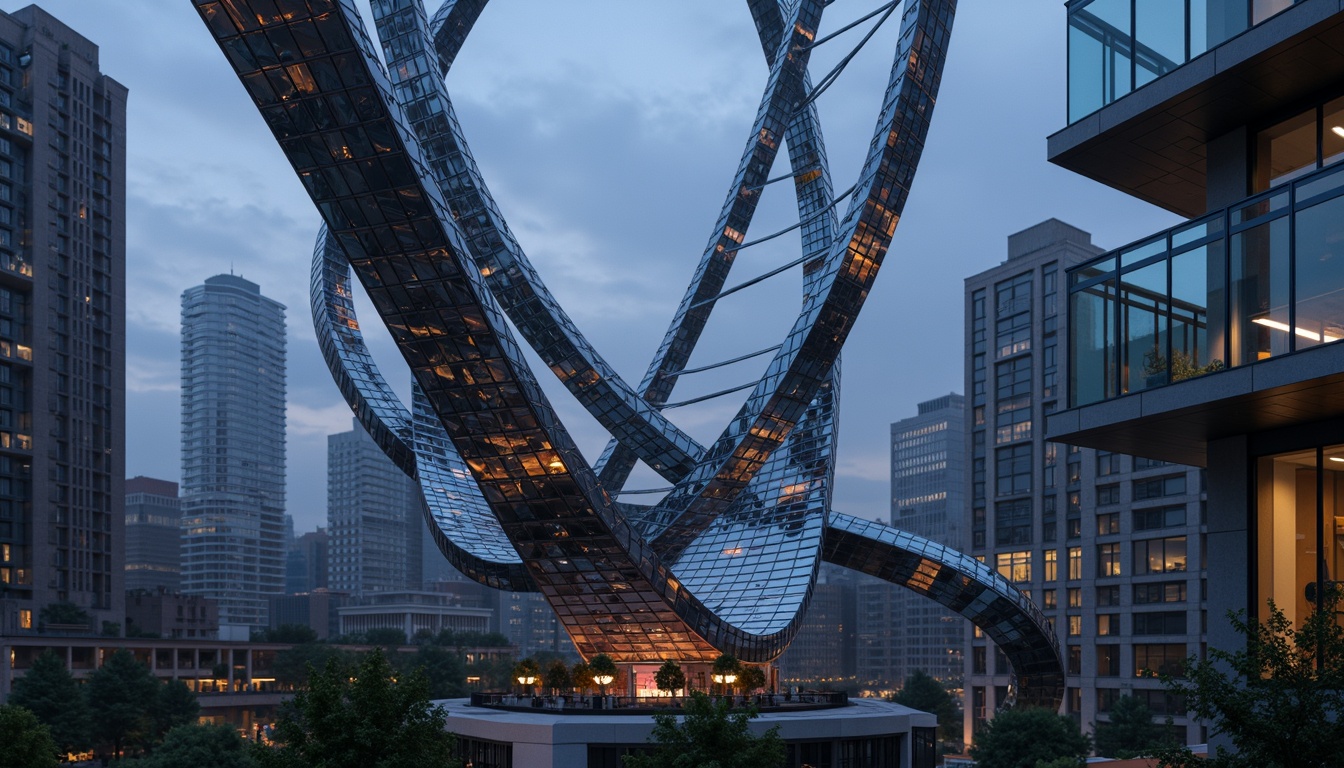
point(726, 560)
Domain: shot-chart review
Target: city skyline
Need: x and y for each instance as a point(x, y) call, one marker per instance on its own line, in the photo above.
point(586, 151)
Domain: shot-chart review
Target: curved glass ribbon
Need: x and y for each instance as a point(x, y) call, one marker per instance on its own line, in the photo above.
point(963, 584)
point(460, 521)
point(725, 562)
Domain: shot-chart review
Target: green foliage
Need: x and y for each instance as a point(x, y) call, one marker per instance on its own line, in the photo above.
point(582, 676)
point(297, 634)
point(602, 664)
point(199, 746)
point(50, 692)
point(65, 612)
point(1018, 738)
point(385, 636)
point(751, 679)
point(370, 721)
point(557, 677)
point(710, 735)
point(455, 639)
point(1279, 699)
point(444, 671)
point(121, 695)
point(292, 665)
point(727, 665)
point(526, 668)
point(1131, 731)
point(921, 691)
point(670, 677)
point(24, 740)
point(174, 706)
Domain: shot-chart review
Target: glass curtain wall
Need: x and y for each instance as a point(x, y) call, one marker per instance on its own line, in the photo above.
point(1258, 280)
point(1116, 46)
point(1299, 530)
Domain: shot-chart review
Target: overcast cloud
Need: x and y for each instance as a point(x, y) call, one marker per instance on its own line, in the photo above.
point(608, 132)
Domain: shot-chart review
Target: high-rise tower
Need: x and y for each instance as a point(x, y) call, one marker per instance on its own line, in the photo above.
point(374, 519)
point(899, 631)
point(1108, 545)
point(62, 323)
point(233, 448)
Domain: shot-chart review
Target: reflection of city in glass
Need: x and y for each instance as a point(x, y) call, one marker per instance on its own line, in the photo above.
point(725, 560)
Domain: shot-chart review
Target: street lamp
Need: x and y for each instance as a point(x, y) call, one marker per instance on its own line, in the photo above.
point(603, 680)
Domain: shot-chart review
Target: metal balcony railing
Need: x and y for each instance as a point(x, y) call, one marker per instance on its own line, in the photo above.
point(1259, 279)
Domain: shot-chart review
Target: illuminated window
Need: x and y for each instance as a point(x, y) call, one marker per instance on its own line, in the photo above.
point(1075, 625)
point(1075, 597)
point(1075, 562)
point(1108, 559)
point(1160, 555)
point(1051, 565)
point(25, 619)
point(1108, 624)
point(1014, 566)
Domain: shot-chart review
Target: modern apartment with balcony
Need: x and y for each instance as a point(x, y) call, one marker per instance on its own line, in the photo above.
point(1213, 343)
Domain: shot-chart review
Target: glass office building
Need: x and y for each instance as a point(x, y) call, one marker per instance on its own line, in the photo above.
point(233, 449)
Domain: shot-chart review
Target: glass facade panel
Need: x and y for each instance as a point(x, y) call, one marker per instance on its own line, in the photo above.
point(1118, 45)
point(1299, 528)
point(1260, 292)
point(1332, 132)
point(1143, 302)
point(1286, 150)
point(1100, 40)
point(1093, 344)
point(1198, 330)
point(1159, 27)
point(1319, 282)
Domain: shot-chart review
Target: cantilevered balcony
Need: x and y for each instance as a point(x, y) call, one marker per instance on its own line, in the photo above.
point(1223, 325)
point(1151, 83)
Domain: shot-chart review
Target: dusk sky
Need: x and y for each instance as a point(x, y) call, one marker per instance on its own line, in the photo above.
point(608, 132)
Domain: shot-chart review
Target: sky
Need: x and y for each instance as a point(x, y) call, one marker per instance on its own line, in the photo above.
point(608, 132)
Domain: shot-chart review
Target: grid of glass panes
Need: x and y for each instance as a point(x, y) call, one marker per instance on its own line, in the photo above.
point(1221, 291)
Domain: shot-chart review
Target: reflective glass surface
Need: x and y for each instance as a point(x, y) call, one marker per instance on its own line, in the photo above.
point(726, 560)
point(1256, 280)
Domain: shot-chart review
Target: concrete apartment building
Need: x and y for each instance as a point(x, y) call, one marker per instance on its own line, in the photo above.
point(1107, 545)
point(62, 323)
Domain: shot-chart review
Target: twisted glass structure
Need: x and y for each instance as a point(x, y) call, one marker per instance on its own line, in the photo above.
point(725, 561)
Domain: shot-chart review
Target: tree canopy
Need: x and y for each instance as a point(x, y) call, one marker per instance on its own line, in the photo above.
point(364, 717)
point(921, 691)
point(50, 692)
point(709, 735)
point(1131, 731)
point(1018, 738)
point(174, 705)
point(121, 696)
point(65, 612)
point(1279, 698)
point(24, 740)
point(670, 677)
point(199, 746)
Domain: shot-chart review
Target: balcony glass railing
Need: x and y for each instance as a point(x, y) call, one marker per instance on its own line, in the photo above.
point(1116, 46)
point(1260, 279)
